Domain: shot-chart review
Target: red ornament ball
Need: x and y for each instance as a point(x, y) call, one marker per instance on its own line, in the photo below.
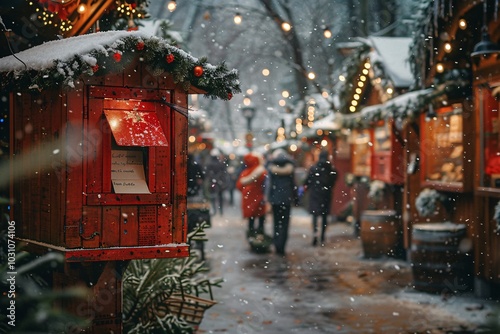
point(198, 71)
point(229, 96)
point(169, 58)
point(140, 46)
point(95, 68)
point(117, 56)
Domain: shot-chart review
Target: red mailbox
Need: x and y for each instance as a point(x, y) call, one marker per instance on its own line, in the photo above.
point(99, 143)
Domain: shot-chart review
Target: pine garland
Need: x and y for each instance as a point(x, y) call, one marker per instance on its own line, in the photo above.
point(216, 81)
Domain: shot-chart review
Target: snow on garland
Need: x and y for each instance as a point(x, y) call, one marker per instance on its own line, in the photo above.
point(426, 202)
point(63, 62)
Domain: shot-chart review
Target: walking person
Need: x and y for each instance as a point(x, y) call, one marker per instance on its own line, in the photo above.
point(217, 180)
point(319, 183)
point(281, 195)
point(195, 176)
point(251, 182)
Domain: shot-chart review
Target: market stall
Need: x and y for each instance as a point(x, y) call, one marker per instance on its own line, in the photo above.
point(98, 154)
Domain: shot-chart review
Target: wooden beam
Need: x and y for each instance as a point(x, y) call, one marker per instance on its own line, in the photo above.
point(95, 10)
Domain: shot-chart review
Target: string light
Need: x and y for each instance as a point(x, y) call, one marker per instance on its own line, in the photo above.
point(172, 5)
point(327, 32)
point(462, 24)
point(81, 8)
point(439, 68)
point(447, 47)
point(237, 18)
point(286, 26)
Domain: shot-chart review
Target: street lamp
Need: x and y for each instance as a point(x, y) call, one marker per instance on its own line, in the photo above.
point(249, 113)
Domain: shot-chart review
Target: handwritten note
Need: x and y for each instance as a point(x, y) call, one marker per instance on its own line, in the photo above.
point(127, 172)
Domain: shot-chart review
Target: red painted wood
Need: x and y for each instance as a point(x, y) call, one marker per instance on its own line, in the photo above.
point(110, 226)
point(90, 230)
point(130, 102)
point(105, 153)
point(93, 148)
point(166, 225)
point(115, 93)
point(127, 253)
point(180, 131)
point(127, 199)
point(151, 175)
point(35, 192)
point(133, 76)
point(148, 228)
point(74, 135)
point(129, 226)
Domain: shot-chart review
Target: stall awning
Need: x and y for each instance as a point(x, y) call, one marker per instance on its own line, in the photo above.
point(401, 107)
point(135, 128)
point(327, 123)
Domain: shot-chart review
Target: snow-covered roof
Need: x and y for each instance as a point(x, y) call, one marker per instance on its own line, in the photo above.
point(329, 122)
point(64, 61)
point(393, 53)
point(401, 107)
point(318, 99)
point(395, 104)
point(42, 57)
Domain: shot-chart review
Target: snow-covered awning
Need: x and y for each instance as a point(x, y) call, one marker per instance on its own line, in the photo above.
point(393, 53)
point(401, 107)
point(329, 123)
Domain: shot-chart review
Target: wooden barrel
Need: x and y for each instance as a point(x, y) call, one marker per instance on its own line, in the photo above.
point(441, 258)
point(380, 234)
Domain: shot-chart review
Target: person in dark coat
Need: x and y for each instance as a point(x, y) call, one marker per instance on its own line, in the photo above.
point(217, 180)
point(319, 183)
point(251, 182)
point(281, 196)
point(194, 175)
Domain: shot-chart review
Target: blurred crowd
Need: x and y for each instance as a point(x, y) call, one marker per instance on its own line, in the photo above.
point(268, 185)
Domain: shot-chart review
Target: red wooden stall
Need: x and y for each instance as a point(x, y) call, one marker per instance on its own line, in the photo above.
point(98, 154)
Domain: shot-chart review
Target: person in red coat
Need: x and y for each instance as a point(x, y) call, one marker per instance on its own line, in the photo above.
point(251, 182)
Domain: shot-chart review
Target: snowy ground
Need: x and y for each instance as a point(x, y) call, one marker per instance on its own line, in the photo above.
point(330, 289)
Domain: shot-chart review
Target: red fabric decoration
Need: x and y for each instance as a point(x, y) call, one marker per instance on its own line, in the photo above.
point(140, 46)
point(170, 58)
point(117, 57)
point(95, 68)
point(198, 71)
point(493, 166)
